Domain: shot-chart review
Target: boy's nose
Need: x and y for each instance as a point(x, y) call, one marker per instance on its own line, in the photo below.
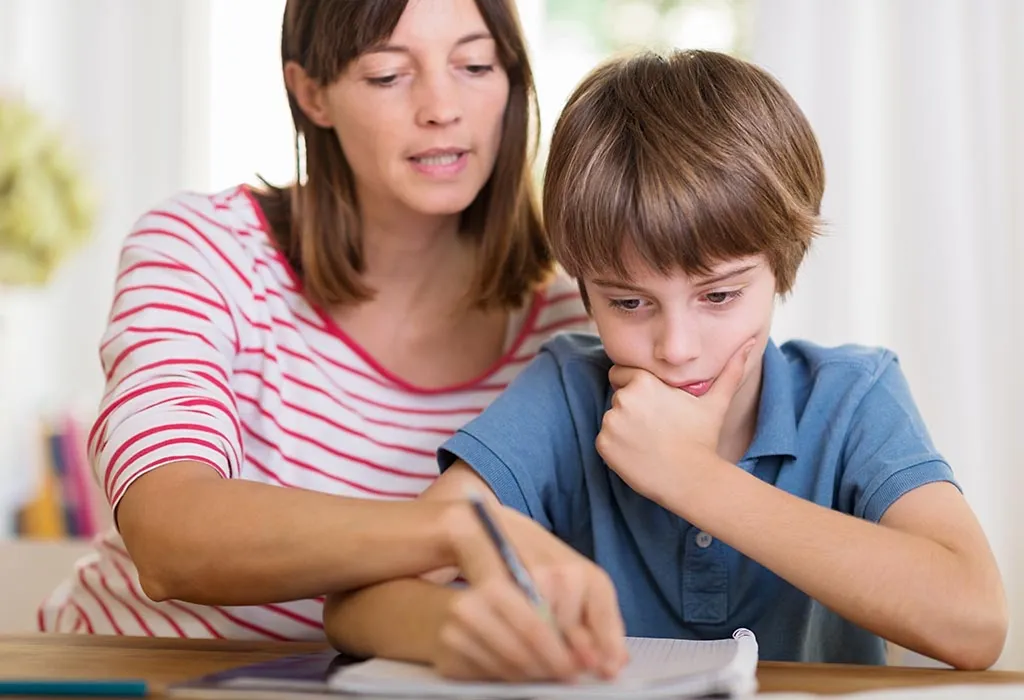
point(678, 344)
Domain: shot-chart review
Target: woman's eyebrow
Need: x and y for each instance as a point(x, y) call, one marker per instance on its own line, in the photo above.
point(398, 48)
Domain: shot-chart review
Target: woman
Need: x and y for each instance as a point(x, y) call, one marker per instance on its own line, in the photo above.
point(304, 337)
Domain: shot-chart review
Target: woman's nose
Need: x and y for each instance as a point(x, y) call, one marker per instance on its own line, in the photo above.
point(438, 101)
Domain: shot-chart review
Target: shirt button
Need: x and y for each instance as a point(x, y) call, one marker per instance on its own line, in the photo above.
point(704, 540)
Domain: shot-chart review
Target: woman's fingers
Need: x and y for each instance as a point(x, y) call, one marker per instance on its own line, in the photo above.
point(461, 657)
point(540, 635)
point(603, 618)
point(566, 589)
point(498, 630)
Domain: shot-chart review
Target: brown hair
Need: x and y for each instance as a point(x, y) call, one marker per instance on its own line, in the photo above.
point(316, 222)
point(686, 160)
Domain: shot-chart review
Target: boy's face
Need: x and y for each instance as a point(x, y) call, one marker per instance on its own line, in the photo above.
point(682, 329)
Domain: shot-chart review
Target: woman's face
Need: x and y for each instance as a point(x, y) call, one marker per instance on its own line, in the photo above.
point(420, 117)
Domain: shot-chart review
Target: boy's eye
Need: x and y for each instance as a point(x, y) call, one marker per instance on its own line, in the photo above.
point(625, 304)
point(722, 298)
point(383, 80)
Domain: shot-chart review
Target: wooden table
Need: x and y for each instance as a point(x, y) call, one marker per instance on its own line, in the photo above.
point(165, 661)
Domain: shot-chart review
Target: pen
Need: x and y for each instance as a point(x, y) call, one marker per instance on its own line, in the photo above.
point(122, 688)
point(508, 556)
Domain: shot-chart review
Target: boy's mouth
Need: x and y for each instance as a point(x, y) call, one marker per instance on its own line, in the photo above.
point(697, 389)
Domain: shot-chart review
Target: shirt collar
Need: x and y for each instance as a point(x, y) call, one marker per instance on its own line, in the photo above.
point(775, 433)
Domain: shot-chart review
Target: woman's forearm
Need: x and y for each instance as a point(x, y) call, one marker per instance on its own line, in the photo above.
point(200, 538)
point(906, 587)
point(399, 619)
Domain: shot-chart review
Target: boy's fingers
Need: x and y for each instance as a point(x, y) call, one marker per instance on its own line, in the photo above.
point(728, 382)
point(619, 376)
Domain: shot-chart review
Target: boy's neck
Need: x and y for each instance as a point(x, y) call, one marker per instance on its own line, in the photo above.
point(741, 419)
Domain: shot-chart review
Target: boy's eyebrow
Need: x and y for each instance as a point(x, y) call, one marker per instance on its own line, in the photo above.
point(714, 279)
point(397, 48)
point(618, 284)
point(722, 276)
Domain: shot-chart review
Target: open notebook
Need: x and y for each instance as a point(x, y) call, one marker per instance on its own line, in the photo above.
point(658, 668)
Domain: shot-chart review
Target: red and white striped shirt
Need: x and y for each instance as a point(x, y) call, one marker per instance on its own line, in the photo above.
point(212, 355)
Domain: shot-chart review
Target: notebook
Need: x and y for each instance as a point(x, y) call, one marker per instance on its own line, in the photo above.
point(974, 691)
point(658, 668)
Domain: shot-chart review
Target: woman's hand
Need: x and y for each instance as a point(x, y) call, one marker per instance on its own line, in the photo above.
point(492, 631)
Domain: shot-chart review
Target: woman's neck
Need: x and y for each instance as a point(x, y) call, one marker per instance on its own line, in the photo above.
point(417, 325)
point(417, 262)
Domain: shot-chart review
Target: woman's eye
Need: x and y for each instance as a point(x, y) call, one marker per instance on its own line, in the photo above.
point(479, 69)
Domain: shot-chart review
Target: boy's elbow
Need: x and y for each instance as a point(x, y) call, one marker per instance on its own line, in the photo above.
point(333, 625)
point(981, 642)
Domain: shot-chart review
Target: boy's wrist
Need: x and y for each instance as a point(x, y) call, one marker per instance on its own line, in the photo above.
point(693, 493)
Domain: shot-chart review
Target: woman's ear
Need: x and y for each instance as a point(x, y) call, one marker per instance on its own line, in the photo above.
point(309, 94)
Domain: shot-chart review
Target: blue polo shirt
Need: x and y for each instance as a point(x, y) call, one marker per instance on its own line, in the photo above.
point(836, 426)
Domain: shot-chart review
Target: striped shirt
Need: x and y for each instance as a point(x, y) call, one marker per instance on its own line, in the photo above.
point(213, 355)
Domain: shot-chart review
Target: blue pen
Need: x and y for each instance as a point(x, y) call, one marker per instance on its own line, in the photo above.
point(508, 555)
point(116, 688)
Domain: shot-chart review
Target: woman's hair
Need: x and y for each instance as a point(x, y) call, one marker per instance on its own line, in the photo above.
point(682, 161)
point(316, 221)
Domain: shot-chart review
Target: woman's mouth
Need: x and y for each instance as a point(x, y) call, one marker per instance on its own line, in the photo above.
point(440, 162)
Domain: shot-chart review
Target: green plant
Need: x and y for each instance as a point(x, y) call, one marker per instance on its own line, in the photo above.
point(46, 208)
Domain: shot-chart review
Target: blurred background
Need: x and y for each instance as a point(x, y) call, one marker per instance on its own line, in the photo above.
point(108, 106)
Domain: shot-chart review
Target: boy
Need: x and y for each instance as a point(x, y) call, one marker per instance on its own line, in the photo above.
point(720, 480)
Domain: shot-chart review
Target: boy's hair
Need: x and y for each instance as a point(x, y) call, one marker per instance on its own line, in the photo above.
point(315, 221)
point(682, 161)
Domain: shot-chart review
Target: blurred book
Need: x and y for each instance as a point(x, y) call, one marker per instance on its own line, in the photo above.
point(67, 502)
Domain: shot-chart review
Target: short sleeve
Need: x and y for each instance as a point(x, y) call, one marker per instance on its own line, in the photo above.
point(888, 451)
point(166, 354)
point(524, 445)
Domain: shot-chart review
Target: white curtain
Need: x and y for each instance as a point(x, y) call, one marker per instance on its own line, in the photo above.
point(919, 107)
point(122, 80)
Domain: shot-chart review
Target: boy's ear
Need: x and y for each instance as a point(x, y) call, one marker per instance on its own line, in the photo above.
point(308, 93)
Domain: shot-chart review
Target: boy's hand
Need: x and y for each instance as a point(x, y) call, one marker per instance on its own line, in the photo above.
point(653, 430)
point(492, 631)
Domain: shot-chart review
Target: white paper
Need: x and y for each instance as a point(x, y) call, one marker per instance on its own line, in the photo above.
point(657, 668)
point(978, 691)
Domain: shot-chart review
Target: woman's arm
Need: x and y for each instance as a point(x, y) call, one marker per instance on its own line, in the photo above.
point(488, 630)
point(198, 537)
point(168, 450)
point(924, 577)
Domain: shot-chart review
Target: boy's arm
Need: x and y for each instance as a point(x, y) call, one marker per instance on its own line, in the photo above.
point(522, 451)
point(923, 577)
point(490, 630)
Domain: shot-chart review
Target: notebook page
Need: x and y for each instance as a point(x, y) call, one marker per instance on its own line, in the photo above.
point(657, 667)
point(653, 660)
